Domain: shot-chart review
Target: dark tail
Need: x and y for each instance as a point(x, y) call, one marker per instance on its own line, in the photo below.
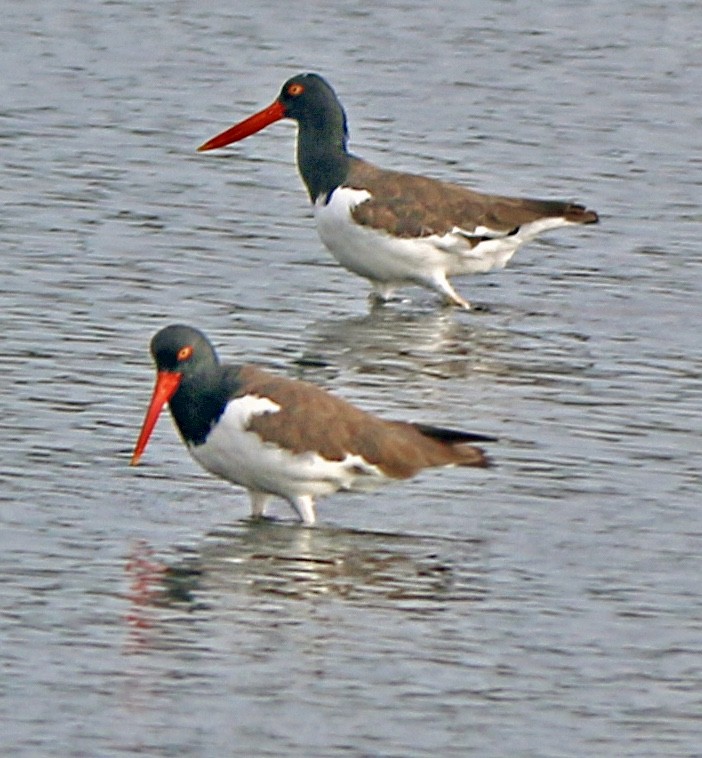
point(460, 443)
point(579, 214)
point(451, 436)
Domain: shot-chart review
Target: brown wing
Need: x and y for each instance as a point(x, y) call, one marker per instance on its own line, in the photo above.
point(407, 205)
point(313, 420)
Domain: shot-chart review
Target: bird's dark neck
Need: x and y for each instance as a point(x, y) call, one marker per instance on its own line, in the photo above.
point(200, 401)
point(322, 158)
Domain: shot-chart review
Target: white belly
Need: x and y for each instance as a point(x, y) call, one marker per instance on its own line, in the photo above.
point(380, 257)
point(241, 457)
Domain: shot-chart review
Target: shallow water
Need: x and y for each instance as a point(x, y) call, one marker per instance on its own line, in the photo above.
point(549, 606)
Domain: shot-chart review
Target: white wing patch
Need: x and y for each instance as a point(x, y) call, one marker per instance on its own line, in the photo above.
point(241, 410)
point(530, 230)
point(362, 475)
point(481, 231)
point(343, 200)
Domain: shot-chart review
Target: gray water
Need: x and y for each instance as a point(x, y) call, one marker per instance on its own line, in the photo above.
point(550, 606)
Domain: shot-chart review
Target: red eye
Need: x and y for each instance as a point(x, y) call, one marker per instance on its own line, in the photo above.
point(295, 89)
point(185, 352)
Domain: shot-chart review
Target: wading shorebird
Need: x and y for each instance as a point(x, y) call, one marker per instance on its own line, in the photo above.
point(390, 227)
point(283, 437)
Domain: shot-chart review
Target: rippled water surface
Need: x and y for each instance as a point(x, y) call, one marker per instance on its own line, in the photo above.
point(550, 606)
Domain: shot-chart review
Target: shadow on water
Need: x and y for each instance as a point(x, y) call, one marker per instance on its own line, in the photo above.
point(269, 559)
point(398, 345)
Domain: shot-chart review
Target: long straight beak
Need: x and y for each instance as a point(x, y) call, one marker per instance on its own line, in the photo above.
point(167, 382)
point(274, 112)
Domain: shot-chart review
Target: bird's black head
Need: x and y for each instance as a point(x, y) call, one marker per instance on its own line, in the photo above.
point(186, 365)
point(322, 157)
point(182, 349)
point(310, 100)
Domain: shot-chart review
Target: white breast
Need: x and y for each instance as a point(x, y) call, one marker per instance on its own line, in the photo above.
point(380, 257)
point(242, 457)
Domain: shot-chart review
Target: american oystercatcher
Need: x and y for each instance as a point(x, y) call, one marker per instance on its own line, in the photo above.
point(390, 227)
point(278, 436)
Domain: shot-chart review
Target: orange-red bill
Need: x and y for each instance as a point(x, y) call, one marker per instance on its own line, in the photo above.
point(246, 128)
point(167, 382)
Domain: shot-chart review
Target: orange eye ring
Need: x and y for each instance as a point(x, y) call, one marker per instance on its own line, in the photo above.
point(295, 89)
point(185, 352)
